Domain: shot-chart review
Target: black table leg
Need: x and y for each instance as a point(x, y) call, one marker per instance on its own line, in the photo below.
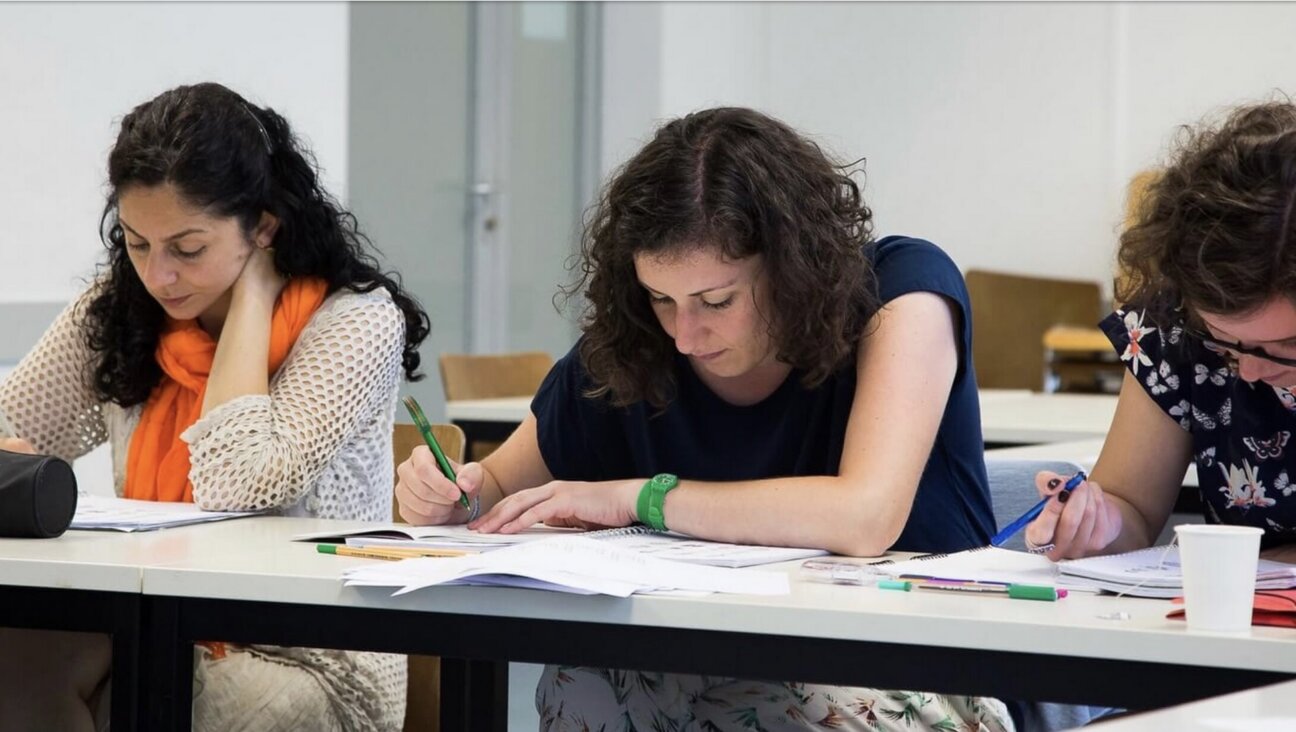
point(166, 691)
point(474, 695)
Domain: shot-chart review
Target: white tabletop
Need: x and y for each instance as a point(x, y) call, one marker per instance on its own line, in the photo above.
point(1007, 415)
point(253, 559)
point(512, 409)
point(86, 560)
point(1267, 708)
point(1032, 418)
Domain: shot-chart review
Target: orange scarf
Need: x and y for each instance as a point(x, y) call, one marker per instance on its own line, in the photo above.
point(157, 466)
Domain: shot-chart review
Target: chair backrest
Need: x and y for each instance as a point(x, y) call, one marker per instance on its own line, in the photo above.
point(1009, 316)
point(493, 376)
point(1012, 489)
point(406, 437)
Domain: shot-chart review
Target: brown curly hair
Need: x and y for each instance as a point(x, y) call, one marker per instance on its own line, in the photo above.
point(749, 184)
point(1214, 232)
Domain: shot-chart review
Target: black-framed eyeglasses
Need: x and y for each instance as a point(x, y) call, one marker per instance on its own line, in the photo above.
point(1233, 351)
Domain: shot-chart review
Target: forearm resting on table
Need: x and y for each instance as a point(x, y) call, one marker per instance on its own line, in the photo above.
point(820, 512)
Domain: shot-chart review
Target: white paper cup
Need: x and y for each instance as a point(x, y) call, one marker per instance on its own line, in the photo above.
point(1219, 570)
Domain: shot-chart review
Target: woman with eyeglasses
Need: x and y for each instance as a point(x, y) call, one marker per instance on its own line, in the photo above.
point(1208, 335)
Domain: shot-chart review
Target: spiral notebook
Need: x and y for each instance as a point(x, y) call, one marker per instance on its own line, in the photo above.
point(1155, 572)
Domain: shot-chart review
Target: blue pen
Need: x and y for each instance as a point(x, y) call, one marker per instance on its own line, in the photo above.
point(1011, 529)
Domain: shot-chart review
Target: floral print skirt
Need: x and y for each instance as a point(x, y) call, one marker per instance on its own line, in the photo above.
point(578, 699)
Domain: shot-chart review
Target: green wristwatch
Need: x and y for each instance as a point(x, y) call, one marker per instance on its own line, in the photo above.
point(652, 497)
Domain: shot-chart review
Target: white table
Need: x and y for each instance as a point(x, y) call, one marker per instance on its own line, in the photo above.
point(1007, 416)
point(1028, 418)
point(242, 581)
point(487, 420)
point(82, 581)
point(1267, 708)
point(511, 410)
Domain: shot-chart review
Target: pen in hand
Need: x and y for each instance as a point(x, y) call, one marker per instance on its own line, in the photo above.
point(1011, 529)
point(416, 414)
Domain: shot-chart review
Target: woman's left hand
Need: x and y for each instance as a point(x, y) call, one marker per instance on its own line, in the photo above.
point(564, 503)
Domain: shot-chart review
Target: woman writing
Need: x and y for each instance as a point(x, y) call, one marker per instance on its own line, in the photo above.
point(753, 368)
point(1208, 335)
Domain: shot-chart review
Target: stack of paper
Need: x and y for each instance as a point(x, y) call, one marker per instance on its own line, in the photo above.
point(640, 539)
point(680, 548)
point(124, 514)
point(568, 564)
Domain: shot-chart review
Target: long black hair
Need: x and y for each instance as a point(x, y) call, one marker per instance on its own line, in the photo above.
point(230, 158)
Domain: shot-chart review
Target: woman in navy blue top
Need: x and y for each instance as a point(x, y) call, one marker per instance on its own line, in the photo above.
point(753, 368)
point(1208, 336)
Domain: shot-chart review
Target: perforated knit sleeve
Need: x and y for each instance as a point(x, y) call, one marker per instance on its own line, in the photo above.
point(323, 434)
point(48, 399)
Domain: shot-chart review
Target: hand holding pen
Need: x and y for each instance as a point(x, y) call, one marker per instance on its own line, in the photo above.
point(1011, 529)
point(428, 487)
point(1073, 522)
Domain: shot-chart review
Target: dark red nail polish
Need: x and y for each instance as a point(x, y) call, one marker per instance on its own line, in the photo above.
point(1063, 496)
point(1054, 483)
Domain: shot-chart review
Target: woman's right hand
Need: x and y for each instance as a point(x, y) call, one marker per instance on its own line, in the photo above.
point(426, 497)
point(1079, 524)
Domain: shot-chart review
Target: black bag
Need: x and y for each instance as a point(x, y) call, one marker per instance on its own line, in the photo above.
point(38, 495)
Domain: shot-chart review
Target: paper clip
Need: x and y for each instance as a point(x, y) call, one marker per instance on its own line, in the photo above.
point(839, 572)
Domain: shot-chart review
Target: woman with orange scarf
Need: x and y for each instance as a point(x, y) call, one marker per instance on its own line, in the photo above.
point(242, 351)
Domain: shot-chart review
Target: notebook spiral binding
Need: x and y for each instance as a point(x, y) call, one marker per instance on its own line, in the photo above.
point(923, 557)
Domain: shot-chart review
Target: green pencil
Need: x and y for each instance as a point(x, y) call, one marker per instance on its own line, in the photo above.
point(416, 413)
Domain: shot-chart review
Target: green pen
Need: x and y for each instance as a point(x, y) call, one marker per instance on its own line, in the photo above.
point(416, 413)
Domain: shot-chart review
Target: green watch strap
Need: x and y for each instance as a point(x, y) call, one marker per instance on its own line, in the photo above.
point(652, 498)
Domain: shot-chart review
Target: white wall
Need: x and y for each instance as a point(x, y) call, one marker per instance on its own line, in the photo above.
point(1003, 131)
point(69, 72)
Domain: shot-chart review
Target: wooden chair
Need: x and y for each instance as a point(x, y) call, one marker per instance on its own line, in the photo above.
point(1010, 314)
point(423, 697)
point(1080, 359)
point(492, 376)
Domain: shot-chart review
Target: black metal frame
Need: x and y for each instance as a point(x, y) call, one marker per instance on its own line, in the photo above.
point(478, 685)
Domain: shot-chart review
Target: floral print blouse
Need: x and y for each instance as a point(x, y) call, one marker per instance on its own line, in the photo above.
point(1241, 432)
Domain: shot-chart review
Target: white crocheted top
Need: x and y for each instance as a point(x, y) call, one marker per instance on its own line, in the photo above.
point(318, 445)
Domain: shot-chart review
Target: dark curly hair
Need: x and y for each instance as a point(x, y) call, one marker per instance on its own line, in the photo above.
point(1214, 232)
point(230, 158)
point(749, 184)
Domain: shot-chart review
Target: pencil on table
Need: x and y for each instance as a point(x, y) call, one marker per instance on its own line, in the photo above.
point(391, 553)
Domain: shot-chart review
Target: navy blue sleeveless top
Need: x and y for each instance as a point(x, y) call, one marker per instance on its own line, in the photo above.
point(793, 432)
